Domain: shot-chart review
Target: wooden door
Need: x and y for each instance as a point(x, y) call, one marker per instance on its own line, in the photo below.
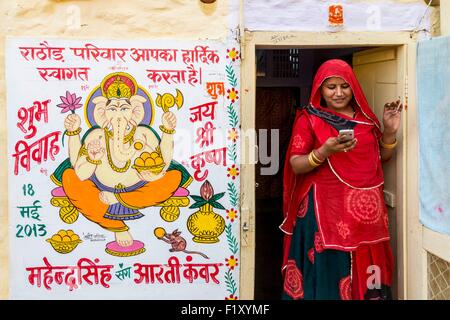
point(381, 74)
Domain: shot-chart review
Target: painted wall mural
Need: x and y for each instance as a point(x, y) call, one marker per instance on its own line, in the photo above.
point(124, 169)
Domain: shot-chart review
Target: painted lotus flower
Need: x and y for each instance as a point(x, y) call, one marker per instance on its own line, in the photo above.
point(206, 190)
point(207, 196)
point(70, 102)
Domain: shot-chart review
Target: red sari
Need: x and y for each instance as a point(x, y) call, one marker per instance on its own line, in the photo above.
point(348, 188)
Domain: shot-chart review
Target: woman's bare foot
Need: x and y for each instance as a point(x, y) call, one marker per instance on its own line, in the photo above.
point(124, 238)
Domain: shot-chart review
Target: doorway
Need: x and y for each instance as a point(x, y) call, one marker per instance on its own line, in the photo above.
point(283, 83)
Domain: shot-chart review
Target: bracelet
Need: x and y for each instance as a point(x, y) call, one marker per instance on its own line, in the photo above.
point(96, 162)
point(321, 156)
point(316, 158)
point(165, 130)
point(83, 151)
point(72, 133)
point(313, 163)
point(387, 145)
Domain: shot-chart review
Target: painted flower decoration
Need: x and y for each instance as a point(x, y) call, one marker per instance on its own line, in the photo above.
point(70, 102)
point(233, 172)
point(293, 283)
point(297, 142)
point(233, 54)
point(232, 95)
point(318, 244)
point(231, 262)
point(343, 229)
point(232, 214)
point(207, 196)
point(233, 135)
point(231, 297)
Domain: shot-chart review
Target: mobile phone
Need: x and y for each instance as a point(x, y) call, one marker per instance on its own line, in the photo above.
point(346, 135)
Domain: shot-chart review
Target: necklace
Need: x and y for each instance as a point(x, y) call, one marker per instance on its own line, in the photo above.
point(108, 153)
point(126, 139)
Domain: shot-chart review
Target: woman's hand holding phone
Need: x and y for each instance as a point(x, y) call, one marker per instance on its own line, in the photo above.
point(344, 142)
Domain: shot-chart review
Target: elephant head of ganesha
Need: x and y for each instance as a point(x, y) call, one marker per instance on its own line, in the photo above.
point(119, 110)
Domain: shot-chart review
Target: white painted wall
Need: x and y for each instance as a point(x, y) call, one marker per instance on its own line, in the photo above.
point(312, 15)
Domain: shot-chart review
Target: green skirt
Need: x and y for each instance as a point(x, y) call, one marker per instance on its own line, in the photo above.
point(313, 273)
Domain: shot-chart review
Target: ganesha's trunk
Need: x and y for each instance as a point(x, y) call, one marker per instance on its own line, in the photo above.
point(122, 152)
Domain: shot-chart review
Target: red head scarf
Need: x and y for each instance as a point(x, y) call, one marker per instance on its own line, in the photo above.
point(341, 69)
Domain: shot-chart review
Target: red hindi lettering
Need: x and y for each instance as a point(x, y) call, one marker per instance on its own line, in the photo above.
point(37, 111)
point(43, 53)
point(217, 156)
point(147, 274)
point(194, 76)
point(173, 275)
point(215, 89)
point(38, 151)
point(198, 162)
point(63, 74)
point(205, 135)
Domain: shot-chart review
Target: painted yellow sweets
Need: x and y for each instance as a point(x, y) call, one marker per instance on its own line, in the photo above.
point(145, 155)
point(154, 155)
point(149, 161)
point(56, 237)
point(139, 162)
point(74, 237)
point(64, 241)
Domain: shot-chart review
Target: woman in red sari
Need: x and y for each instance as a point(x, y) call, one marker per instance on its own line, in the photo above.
point(336, 242)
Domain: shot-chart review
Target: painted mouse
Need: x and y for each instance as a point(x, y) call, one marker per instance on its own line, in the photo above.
point(178, 243)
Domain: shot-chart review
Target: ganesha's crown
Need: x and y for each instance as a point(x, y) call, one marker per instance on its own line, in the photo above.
point(119, 85)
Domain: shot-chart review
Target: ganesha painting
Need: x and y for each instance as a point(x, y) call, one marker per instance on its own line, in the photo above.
point(121, 165)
